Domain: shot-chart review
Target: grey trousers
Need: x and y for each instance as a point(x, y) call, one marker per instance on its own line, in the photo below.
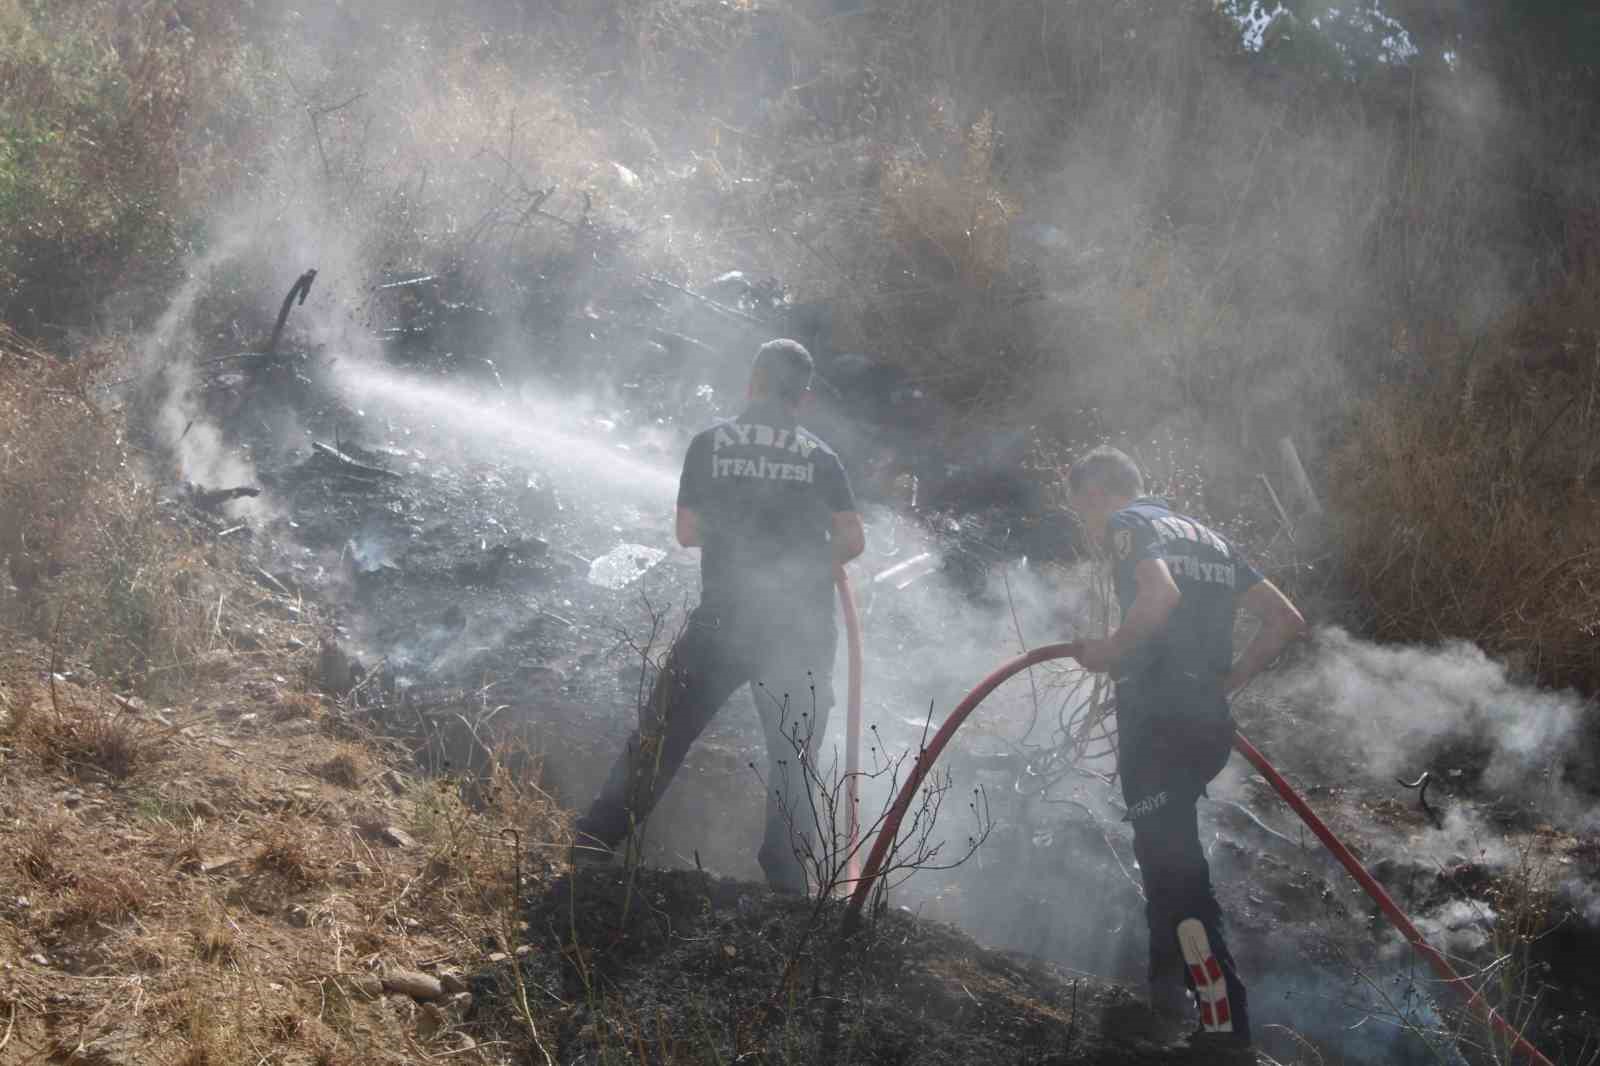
point(790, 674)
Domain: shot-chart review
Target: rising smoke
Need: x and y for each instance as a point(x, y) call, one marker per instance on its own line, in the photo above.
point(1206, 251)
point(1406, 708)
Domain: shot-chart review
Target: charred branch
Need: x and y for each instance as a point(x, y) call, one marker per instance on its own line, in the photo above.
point(301, 289)
point(212, 499)
point(350, 465)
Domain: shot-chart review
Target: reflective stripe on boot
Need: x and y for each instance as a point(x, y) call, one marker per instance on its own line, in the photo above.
point(1210, 989)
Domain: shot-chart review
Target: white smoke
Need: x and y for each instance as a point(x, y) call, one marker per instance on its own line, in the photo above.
point(1403, 705)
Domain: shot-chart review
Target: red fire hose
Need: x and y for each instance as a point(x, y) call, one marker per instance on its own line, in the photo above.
point(929, 755)
point(852, 735)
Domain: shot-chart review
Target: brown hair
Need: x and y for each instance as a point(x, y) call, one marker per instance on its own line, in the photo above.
point(1110, 468)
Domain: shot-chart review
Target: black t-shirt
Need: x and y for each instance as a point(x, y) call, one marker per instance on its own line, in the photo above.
point(765, 490)
point(1196, 643)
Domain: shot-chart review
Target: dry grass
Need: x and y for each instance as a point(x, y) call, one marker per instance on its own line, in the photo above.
point(82, 741)
point(347, 769)
point(259, 925)
point(1468, 505)
point(288, 856)
point(952, 213)
point(96, 566)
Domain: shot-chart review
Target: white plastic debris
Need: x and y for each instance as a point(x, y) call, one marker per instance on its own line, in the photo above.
point(623, 565)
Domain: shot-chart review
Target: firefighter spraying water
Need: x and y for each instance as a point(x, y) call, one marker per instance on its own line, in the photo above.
point(770, 507)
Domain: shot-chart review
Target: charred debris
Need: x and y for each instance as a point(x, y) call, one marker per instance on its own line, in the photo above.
point(483, 607)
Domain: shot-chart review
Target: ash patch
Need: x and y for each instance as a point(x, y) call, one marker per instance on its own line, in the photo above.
point(729, 971)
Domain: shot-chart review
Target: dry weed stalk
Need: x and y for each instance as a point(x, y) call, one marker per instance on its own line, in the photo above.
point(1480, 525)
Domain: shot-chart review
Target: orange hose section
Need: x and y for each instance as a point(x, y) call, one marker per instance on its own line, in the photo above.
point(1391, 910)
point(925, 760)
point(930, 754)
point(852, 735)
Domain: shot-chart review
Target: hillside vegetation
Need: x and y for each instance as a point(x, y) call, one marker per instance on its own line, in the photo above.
point(1184, 226)
point(1148, 221)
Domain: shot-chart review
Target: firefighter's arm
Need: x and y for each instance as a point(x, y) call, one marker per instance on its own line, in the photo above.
point(1281, 624)
point(1155, 597)
point(688, 528)
point(849, 538)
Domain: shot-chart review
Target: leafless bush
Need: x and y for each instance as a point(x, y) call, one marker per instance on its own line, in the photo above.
point(829, 836)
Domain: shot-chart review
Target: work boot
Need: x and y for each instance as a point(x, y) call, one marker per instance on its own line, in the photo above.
point(1224, 1048)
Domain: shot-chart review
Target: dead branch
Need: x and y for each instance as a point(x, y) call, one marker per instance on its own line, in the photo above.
point(302, 288)
point(344, 460)
point(721, 308)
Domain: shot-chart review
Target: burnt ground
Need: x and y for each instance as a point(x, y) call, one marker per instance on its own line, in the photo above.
point(486, 584)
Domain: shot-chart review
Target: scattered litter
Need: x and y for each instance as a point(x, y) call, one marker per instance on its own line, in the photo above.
point(416, 985)
point(396, 837)
point(905, 574)
point(623, 565)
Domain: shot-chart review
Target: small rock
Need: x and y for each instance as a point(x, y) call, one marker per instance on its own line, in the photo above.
point(201, 807)
point(452, 982)
point(396, 837)
point(72, 797)
point(38, 960)
point(298, 916)
point(432, 1022)
point(524, 951)
point(367, 986)
point(413, 984)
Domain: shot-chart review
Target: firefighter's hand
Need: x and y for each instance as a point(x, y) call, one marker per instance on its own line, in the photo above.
point(1096, 656)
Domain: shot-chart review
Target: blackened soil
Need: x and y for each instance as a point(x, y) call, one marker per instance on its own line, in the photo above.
point(716, 970)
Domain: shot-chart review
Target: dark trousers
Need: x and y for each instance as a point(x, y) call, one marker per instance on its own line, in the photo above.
point(1173, 739)
point(789, 669)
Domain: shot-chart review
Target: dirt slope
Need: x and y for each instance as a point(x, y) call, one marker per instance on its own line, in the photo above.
point(230, 880)
point(253, 877)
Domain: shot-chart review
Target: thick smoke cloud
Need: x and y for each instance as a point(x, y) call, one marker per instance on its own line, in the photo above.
point(1404, 707)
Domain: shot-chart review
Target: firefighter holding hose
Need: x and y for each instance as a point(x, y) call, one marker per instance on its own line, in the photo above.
point(770, 507)
point(1179, 585)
